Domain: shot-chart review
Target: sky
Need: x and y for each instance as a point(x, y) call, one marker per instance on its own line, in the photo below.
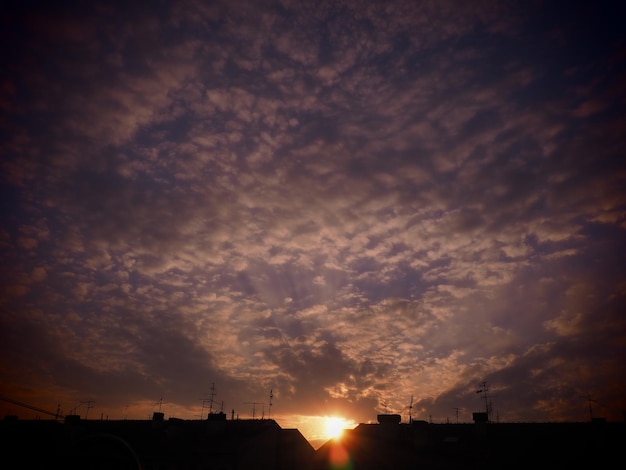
point(309, 209)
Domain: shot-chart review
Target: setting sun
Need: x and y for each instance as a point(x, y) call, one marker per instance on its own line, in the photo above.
point(319, 429)
point(334, 426)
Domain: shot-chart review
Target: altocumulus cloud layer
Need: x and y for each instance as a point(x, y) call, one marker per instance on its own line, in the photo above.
point(347, 203)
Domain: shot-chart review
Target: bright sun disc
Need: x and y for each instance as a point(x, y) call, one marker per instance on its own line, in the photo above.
point(334, 427)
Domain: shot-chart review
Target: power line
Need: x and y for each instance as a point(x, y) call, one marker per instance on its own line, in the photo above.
point(57, 415)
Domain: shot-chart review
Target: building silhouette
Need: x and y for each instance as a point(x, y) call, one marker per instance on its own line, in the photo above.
point(479, 445)
point(157, 444)
point(218, 443)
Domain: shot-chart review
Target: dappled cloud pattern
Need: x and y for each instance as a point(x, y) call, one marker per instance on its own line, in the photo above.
point(349, 203)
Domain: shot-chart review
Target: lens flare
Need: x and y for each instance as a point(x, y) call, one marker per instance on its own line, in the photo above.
point(339, 458)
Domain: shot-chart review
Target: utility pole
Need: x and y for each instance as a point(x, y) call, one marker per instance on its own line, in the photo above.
point(89, 406)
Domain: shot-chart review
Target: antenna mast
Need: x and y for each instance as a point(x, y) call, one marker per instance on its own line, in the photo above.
point(254, 404)
point(457, 415)
point(212, 396)
point(484, 389)
point(269, 413)
point(411, 411)
point(210, 401)
point(589, 402)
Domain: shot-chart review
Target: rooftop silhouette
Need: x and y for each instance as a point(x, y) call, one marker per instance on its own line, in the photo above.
point(220, 443)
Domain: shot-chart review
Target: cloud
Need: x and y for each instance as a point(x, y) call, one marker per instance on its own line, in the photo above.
point(350, 205)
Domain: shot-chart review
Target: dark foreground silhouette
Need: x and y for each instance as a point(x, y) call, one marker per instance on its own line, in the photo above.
point(217, 443)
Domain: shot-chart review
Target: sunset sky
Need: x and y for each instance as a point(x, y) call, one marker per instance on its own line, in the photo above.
point(348, 204)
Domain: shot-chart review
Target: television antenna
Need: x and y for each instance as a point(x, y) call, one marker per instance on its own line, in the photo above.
point(411, 411)
point(254, 404)
point(484, 389)
point(212, 397)
point(591, 400)
point(269, 413)
point(457, 414)
point(160, 402)
point(209, 401)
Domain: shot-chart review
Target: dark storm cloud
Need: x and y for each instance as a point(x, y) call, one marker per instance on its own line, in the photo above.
point(348, 204)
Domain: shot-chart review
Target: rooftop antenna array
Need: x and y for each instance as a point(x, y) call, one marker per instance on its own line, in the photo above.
point(485, 391)
point(457, 414)
point(160, 403)
point(212, 397)
point(210, 401)
point(254, 404)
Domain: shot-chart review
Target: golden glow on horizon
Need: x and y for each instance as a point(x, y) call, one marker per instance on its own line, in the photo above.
point(317, 429)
